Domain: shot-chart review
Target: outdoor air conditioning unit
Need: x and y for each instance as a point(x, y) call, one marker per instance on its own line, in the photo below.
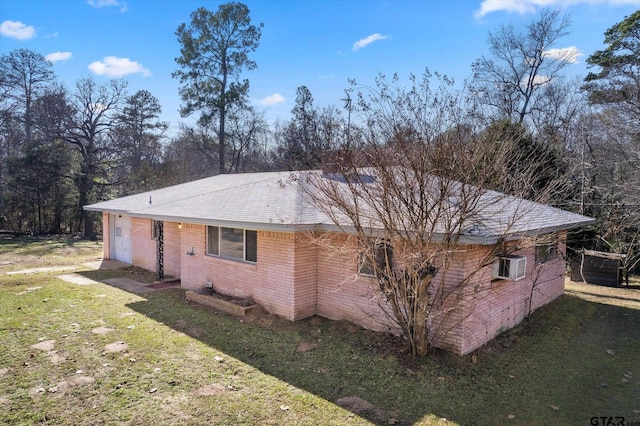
point(509, 268)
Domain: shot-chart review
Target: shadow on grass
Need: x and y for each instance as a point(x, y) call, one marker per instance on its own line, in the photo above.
point(571, 360)
point(133, 272)
point(606, 296)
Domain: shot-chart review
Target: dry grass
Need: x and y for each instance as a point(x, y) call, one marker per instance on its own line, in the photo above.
point(625, 296)
point(94, 354)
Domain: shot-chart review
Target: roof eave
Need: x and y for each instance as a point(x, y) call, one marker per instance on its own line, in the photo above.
point(92, 208)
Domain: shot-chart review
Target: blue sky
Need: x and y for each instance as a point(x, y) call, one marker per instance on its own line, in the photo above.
point(317, 43)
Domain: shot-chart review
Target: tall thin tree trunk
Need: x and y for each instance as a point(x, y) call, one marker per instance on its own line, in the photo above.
point(85, 185)
point(221, 143)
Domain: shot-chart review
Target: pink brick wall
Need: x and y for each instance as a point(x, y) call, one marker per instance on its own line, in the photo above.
point(297, 276)
point(143, 247)
point(342, 293)
point(496, 306)
point(468, 316)
point(269, 281)
point(172, 250)
point(305, 276)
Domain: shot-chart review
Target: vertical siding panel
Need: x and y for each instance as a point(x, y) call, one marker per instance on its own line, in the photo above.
point(106, 236)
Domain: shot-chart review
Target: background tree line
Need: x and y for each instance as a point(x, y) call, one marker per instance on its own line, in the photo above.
point(64, 147)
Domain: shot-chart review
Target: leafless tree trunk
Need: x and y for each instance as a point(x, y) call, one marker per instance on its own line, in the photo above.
point(510, 80)
point(96, 107)
point(416, 194)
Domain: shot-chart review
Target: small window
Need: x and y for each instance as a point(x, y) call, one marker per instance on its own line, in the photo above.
point(510, 268)
point(365, 266)
point(232, 243)
point(546, 251)
point(379, 252)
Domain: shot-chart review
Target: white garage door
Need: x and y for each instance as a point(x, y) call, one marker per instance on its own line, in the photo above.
point(121, 248)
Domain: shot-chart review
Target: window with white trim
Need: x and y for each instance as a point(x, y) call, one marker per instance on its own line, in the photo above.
point(232, 243)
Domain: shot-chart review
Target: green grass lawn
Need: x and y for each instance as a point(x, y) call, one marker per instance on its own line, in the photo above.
point(105, 356)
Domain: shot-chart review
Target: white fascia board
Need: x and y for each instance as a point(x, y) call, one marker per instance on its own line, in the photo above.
point(103, 210)
point(224, 223)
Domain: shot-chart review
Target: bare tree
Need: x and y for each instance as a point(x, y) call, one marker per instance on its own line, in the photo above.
point(97, 107)
point(520, 65)
point(247, 132)
point(24, 76)
point(191, 154)
point(138, 140)
point(610, 177)
point(419, 192)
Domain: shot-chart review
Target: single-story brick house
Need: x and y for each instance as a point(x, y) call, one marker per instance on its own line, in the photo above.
point(248, 235)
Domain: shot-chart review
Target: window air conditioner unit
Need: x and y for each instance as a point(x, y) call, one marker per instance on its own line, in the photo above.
point(509, 268)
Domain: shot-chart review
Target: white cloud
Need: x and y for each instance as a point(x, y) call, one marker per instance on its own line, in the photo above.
point(113, 66)
point(98, 4)
point(530, 6)
point(274, 99)
point(17, 30)
point(58, 56)
point(367, 41)
point(567, 54)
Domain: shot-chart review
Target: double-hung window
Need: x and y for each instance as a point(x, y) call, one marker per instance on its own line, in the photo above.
point(232, 243)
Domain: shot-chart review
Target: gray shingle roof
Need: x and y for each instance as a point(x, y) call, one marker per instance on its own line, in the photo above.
point(276, 201)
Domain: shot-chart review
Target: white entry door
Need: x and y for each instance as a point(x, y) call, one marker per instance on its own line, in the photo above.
point(121, 249)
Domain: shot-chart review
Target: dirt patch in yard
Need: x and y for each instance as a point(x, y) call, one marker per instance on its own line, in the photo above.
point(239, 301)
point(116, 347)
point(57, 357)
point(62, 387)
point(45, 345)
point(210, 390)
point(305, 347)
point(102, 330)
point(195, 331)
